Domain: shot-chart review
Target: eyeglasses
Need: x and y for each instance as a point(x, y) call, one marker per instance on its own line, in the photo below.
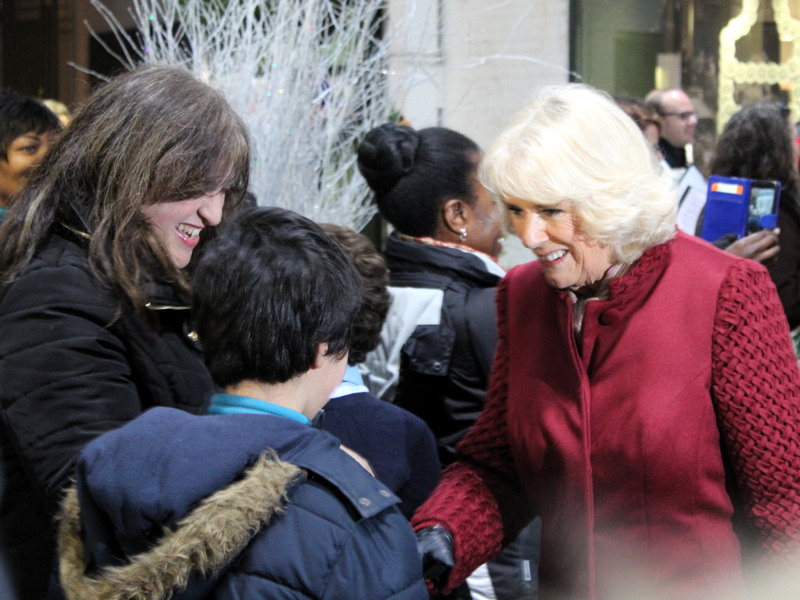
point(683, 116)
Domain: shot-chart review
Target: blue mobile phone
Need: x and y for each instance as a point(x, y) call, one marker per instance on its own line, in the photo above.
point(739, 205)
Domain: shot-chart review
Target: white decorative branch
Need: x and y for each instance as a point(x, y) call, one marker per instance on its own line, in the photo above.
point(308, 77)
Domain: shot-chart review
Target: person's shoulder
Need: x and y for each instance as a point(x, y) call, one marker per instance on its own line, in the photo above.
point(221, 447)
point(315, 451)
point(366, 405)
point(358, 491)
point(523, 269)
point(691, 253)
point(695, 247)
point(173, 439)
point(60, 281)
point(58, 251)
point(330, 541)
point(360, 520)
point(363, 407)
point(522, 275)
point(60, 267)
point(698, 267)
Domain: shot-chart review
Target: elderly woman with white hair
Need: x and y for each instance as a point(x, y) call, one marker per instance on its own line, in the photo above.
point(644, 395)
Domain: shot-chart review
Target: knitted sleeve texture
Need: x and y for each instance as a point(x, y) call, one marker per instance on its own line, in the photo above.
point(756, 389)
point(478, 498)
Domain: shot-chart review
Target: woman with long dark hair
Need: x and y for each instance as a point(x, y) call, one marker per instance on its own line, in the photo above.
point(94, 292)
point(758, 143)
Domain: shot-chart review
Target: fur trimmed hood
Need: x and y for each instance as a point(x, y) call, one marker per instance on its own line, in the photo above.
point(207, 539)
point(172, 505)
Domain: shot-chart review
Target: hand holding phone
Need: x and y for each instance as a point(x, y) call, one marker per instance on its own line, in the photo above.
point(739, 206)
point(761, 246)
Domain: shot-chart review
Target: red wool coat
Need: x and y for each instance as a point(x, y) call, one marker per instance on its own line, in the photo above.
point(679, 411)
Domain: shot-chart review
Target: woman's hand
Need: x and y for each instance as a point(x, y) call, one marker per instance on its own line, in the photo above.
point(761, 246)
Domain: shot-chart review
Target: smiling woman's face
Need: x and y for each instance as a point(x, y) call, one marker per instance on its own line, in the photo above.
point(570, 259)
point(178, 224)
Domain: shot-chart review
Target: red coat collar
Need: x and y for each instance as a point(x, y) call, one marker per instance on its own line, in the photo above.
point(628, 291)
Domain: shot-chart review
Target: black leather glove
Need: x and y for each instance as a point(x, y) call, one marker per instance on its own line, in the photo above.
point(435, 547)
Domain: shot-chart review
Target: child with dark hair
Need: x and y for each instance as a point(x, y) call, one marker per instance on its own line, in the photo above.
point(399, 446)
point(250, 501)
point(27, 128)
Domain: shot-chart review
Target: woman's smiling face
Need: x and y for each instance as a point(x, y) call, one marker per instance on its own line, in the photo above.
point(570, 259)
point(178, 224)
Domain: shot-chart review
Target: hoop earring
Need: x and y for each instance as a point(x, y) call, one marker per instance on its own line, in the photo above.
point(462, 234)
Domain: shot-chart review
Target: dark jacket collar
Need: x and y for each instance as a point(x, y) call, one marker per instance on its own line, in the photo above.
point(675, 157)
point(160, 293)
point(405, 256)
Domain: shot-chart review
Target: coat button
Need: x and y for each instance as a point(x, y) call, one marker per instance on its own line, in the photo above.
point(364, 501)
point(192, 335)
point(385, 493)
point(437, 366)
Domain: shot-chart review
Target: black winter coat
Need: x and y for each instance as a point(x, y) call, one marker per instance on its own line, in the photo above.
point(72, 366)
point(445, 361)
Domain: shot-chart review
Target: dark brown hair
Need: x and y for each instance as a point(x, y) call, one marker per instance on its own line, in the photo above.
point(274, 287)
point(637, 110)
point(756, 143)
point(155, 134)
point(375, 299)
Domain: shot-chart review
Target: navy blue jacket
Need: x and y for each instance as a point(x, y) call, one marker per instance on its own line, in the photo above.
point(398, 445)
point(267, 507)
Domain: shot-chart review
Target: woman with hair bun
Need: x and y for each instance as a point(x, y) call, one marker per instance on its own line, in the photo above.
point(439, 338)
point(443, 273)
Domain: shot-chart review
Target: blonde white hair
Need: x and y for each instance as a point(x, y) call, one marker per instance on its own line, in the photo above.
point(573, 144)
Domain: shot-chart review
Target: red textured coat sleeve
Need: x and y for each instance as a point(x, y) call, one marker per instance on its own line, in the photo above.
point(479, 500)
point(756, 390)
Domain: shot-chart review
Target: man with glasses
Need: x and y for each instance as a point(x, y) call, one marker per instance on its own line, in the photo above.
point(678, 122)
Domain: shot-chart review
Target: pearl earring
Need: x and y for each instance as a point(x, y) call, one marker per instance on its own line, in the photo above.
point(462, 235)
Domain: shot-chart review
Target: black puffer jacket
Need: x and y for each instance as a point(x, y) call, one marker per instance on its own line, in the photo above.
point(72, 368)
point(441, 335)
point(441, 332)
